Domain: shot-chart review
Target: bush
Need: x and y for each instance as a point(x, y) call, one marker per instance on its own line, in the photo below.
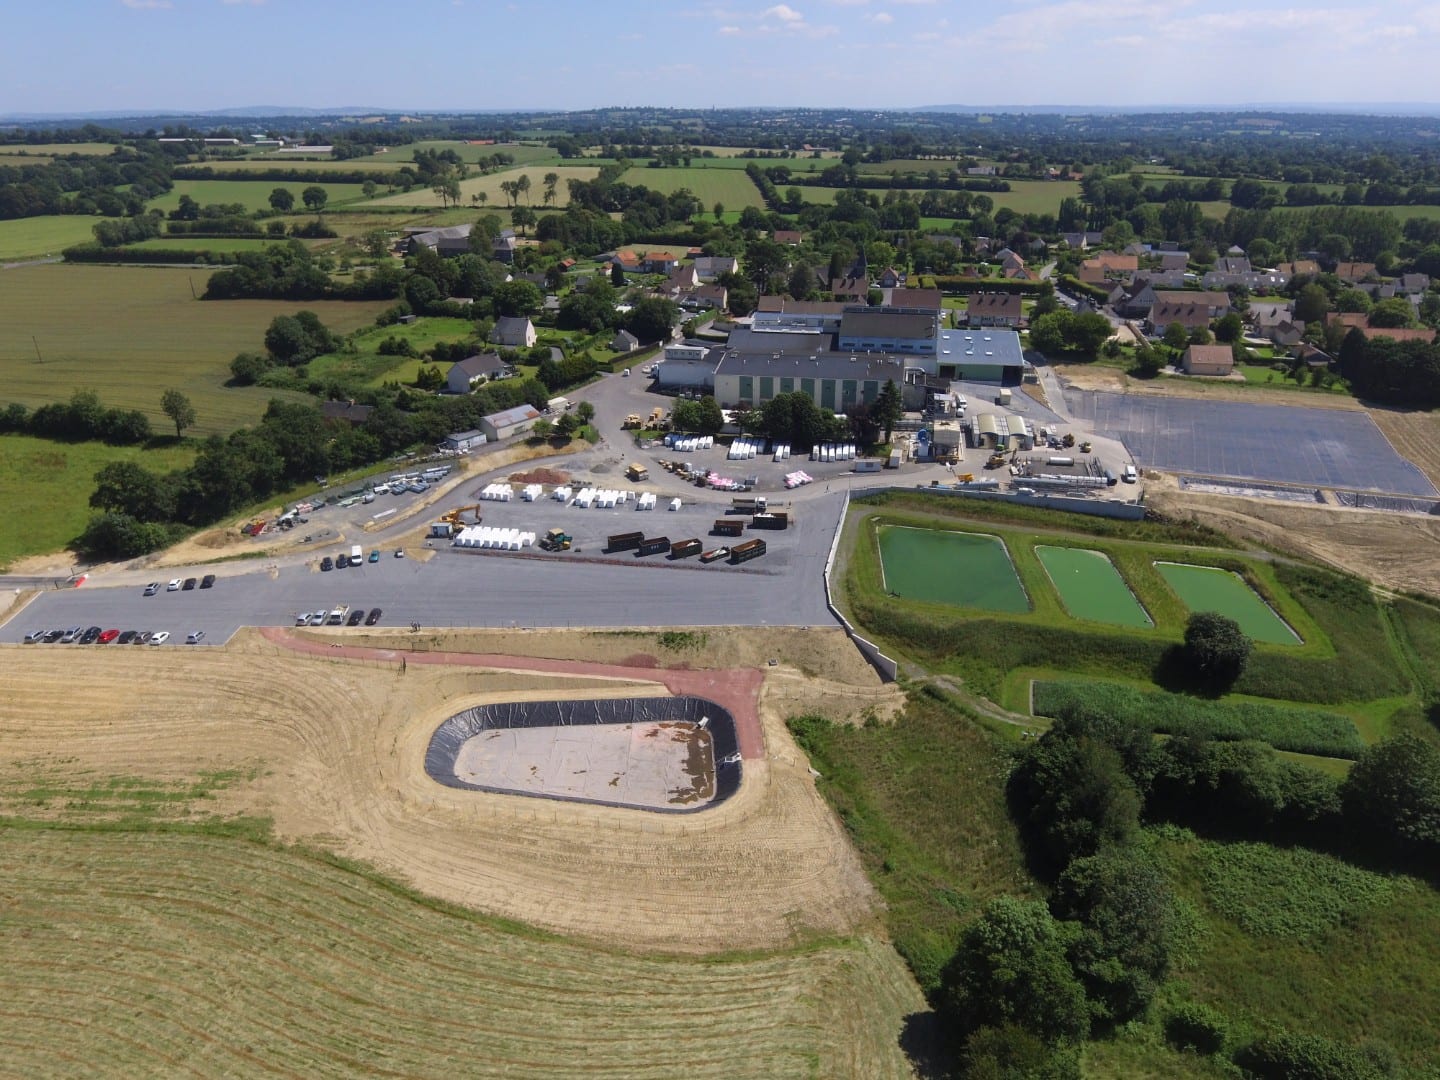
point(1307, 1057)
point(1303, 731)
point(1394, 792)
point(1197, 1028)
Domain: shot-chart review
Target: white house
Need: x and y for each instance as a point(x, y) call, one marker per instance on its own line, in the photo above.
point(514, 332)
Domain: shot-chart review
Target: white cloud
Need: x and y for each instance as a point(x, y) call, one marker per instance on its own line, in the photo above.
point(729, 30)
point(140, 5)
point(784, 12)
point(882, 17)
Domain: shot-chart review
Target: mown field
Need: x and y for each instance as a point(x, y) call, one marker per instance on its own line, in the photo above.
point(252, 194)
point(209, 243)
point(1025, 196)
point(130, 333)
point(37, 237)
point(523, 153)
point(56, 149)
point(495, 196)
point(208, 949)
point(366, 364)
point(729, 186)
point(46, 487)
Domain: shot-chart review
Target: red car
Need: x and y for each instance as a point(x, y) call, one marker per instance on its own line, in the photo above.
point(108, 636)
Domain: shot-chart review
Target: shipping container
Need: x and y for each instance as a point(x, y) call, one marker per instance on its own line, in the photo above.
point(624, 541)
point(653, 546)
point(724, 527)
point(751, 549)
point(683, 549)
point(713, 554)
point(770, 521)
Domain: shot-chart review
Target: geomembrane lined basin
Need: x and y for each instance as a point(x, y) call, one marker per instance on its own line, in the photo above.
point(664, 754)
point(1210, 588)
point(966, 569)
point(1090, 587)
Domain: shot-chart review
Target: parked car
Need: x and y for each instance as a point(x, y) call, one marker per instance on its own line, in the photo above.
point(108, 636)
point(355, 617)
point(90, 635)
point(160, 638)
point(327, 563)
point(52, 636)
point(375, 555)
point(302, 619)
point(152, 588)
point(195, 637)
point(399, 553)
point(189, 584)
point(342, 561)
point(207, 581)
point(68, 636)
point(34, 637)
point(126, 637)
point(142, 637)
point(373, 617)
point(318, 618)
point(174, 585)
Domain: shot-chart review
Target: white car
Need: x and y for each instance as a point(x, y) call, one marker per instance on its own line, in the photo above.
point(160, 638)
point(318, 619)
point(174, 585)
point(303, 619)
point(195, 637)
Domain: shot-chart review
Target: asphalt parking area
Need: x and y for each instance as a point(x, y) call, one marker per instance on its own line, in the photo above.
point(1323, 448)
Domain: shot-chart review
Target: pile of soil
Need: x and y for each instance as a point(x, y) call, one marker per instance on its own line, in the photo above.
point(540, 476)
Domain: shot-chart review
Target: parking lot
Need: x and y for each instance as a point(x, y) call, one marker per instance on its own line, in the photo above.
point(488, 589)
point(1283, 444)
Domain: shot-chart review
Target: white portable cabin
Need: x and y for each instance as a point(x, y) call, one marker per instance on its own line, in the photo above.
point(674, 504)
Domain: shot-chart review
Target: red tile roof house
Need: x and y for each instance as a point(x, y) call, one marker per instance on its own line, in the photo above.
point(659, 262)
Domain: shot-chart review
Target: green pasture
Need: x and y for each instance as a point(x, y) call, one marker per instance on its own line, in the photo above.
point(204, 243)
point(965, 569)
point(252, 194)
point(1090, 587)
point(130, 333)
point(361, 362)
point(37, 237)
point(523, 153)
point(1025, 196)
point(46, 487)
point(495, 197)
point(710, 185)
point(379, 166)
point(1209, 588)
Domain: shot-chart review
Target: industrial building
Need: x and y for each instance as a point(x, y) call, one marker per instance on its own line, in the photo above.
point(502, 425)
point(981, 355)
point(835, 381)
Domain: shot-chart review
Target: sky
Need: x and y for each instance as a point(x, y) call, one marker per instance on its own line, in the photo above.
point(108, 55)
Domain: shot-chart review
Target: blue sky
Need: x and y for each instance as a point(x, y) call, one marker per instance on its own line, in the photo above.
point(92, 55)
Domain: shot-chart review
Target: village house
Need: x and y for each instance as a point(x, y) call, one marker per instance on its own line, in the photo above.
point(994, 309)
point(514, 332)
point(465, 375)
point(1207, 360)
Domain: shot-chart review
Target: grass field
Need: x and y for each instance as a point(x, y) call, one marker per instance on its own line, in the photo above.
point(495, 196)
point(1090, 587)
point(209, 243)
point(1206, 588)
point(366, 365)
point(1025, 196)
point(47, 487)
point(710, 185)
point(57, 149)
point(524, 154)
point(379, 166)
point(252, 194)
point(36, 237)
point(141, 333)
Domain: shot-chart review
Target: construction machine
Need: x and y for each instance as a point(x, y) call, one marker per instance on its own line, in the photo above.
point(456, 517)
point(996, 460)
point(1068, 441)
point(556, 540)
point(632, 421)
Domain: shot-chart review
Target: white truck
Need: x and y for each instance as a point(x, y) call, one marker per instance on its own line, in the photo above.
point(357, 554)
point(337, 615)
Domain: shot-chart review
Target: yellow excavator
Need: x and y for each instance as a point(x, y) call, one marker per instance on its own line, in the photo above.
point(456, 517)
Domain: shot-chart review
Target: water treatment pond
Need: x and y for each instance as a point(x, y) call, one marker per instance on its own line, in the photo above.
point(1090, 587)
point(965, 569)
point(1209, 588)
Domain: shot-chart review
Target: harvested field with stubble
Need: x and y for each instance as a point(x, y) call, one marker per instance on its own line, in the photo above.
point(235, 869)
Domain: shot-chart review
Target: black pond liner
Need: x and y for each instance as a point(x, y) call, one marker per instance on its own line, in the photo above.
point(450, 736)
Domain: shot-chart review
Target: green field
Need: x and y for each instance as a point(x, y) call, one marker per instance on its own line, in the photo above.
point(1025, 196)
point(36, 237)
point(204, 243)
point(365, 364)
point(56, 149)
point(130, 333)
point(965, 569)
point(46, 486)
point(710, 185)
point(379, 167)
point(524, 154)
point(1090, 586)
point(496, 199)
point(252, 194)
point(1208, 588)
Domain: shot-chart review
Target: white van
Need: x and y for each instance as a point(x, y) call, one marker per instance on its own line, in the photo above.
point(357, 555)
point(1129, 475)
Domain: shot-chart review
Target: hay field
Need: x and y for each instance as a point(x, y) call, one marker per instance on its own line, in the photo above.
point(90, 149)
point(341, 747)
point(523, 153)
point(729, 186)
point(495, 197)
point(129, 333)
point(36, 237)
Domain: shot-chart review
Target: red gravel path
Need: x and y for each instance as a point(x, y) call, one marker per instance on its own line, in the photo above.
point(737, 689)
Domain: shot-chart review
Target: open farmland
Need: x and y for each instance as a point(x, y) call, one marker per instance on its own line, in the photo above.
point(1025, 196)
point(126, 831)
point(252, 194)
point(52, 481)
point(524, 154)
point(36, 237)
point(377, 167)
point(729, 186)
point(89, 149)
point(142, 333)
point(495, 196)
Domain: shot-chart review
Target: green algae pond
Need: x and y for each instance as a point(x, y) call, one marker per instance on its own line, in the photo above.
point(1209, 588)
point(1090, 587)
point(965, 569)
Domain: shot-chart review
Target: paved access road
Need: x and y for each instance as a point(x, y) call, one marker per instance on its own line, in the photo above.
point(482, 589)
point(1280, 444)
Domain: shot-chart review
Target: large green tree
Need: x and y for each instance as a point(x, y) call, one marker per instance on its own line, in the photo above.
point(1216, 649)
point(1393, 791)
point(282, 201)
point(315, 197)
point(889, 407)
point(178, 408)
point(1073, 798)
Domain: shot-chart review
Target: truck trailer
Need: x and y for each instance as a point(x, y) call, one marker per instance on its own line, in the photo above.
point(655, 545)
point(624, 541)
point(777, 520)
point(750, 549)
point(727, 527)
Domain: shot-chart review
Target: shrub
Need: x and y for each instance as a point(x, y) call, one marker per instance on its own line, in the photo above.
point(1307, 1057)
point(1197, 1028)
point(1216, 649)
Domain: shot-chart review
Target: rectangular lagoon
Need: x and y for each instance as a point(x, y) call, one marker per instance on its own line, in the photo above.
point(965, 569)
point(1208, 588)
point(1090, 587)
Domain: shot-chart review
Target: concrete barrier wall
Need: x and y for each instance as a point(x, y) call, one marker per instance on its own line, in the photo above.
point(884, 666)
